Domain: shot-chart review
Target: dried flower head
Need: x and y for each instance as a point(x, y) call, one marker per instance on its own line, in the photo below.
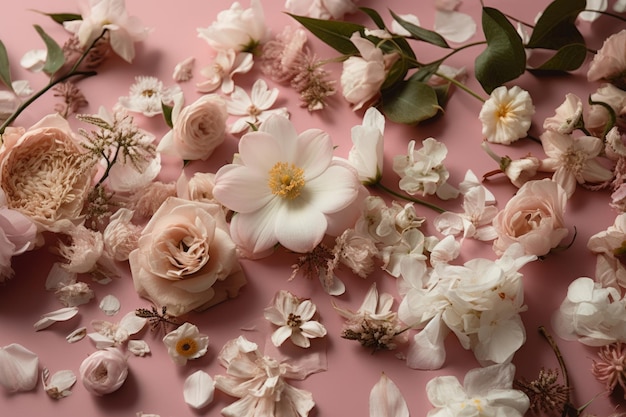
point(147, 201)
point(83, 251)
point(546, 394)
point(313, 83)
point(159, 320)
point(72, 50)
point(313, 264)
point(72, 99)
point(610, 369)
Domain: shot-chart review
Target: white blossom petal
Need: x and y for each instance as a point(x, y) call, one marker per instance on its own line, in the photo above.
point(138, 347)
point(455, 26)
point(19, 368)
point(62, 314)
point(58, 385)
point(110, 305)
point(199, 389)
point(77, 335)
point(386, 400)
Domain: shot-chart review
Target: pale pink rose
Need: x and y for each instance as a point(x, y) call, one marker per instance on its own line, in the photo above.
point(533, 217)
point(185, 259)
point(198, 128)
point(237, 28)
point(104, 371)
point(197, 188)
point(598, 117)
point(610, 62)
point(44, 175)
point(362, 76)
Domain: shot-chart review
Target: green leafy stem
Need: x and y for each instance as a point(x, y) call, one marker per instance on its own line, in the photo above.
point(54, 61)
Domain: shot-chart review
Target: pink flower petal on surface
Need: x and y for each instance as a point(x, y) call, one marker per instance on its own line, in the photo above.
point(19, 368)
point(199, 389)
point(386, 400)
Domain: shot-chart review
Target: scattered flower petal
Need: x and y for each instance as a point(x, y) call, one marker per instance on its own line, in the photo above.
point(183, 70)
point(455, 26)
point(386, 400)
point(77, 335)
point(58, 385)
point(199, 389)
point(186, 342)
point(138, 347)
point(110, 305)
point(19, 368)
point(62, 314)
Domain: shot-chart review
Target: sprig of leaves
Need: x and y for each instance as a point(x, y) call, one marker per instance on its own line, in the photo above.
point(406, 96)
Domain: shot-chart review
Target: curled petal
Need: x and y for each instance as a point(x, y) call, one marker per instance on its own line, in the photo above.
point(49, 319)
point(18, 368)
point(386, 400)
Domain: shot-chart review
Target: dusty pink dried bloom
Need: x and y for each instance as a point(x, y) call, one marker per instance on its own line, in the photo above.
point(283, 55)
point(84, 251)
point(546, 394)
point(356, 251)
point(150, 199)
point(313, 264)
point(121, 235)
point(610, 368)
point(74, 294)
point(96, 56)
point(610, 61)
point(313, 84)
point(73, 99)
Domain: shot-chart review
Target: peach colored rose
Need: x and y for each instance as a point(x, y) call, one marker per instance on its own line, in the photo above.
point(104, 371)
point(198, 128)
point(185, 259)
point(532, 217)
point(610, 62)
point(44, 173)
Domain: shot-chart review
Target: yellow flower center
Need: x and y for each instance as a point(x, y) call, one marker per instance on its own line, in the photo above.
point(186, 346)
point(148, 93)
point(286, 180)
point(503, 111)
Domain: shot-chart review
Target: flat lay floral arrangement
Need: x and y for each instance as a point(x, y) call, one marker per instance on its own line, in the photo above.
point(89, 190)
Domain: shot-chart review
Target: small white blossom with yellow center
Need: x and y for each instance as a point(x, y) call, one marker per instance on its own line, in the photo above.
point(255, 108)
point(293, 316)
point(186, 342)
point(506, 115)
point(287, 188)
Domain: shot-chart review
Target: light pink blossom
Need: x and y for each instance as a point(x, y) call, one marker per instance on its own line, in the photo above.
point(506, 115)
point(609, 63)
point(321, 9)
point(104, 371)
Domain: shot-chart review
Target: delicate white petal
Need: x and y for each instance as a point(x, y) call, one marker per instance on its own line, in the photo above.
point(77, 335)
point(58, 385)
point(198, 389)
point(49, 319)
point(300, 227)
point(138, 347)
point(132, 323)
point(427, 350)
point(280, 335)
point(479, 381)
point(455, 26)
point(386, 400)
point(443, 390)
point(110, 305)
point(19, 368)
point(101, 341)
point(312, 329)
point(59, 276)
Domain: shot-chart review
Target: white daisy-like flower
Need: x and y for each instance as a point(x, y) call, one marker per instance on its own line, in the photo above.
point(254, 108)
point(146, 96)
point(506, 115)
point(186, 342)
point(293, 316)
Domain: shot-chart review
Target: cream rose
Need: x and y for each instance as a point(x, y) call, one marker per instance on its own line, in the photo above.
point(198, 128)
point(104, 371)
point(44, 174)
point(533, 217)
point(185, 258)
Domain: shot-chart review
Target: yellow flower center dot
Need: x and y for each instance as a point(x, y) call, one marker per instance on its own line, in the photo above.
point(186, 347)
point(286, 180)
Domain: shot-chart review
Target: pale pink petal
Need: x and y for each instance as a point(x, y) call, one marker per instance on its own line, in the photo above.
point(260, 151)
point(284, 133)
point(314, 153)
point(49, 319)
point(427, 349)
point(479, 381)
point(386, 400)
point(256, 231)
point(334, 190)
point(455, 26)
point(198, 389)
point(240, 189)
point(19, 368)
point(444, 390)
point(299, 227)
point(313, 329)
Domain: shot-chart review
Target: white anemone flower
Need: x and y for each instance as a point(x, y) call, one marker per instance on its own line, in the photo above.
point(485, 392)
point(506, 115)
point(255, 108)
point(146, 96)
point(293, 315)
point(286, 188)
point(186, 342)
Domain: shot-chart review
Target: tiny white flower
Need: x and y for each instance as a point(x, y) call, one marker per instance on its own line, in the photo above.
point(506, 115)
point(254, 108)
point(293, 316)
point(221, 71)
point(112, 334)
point(147, 95)
point(186, 342)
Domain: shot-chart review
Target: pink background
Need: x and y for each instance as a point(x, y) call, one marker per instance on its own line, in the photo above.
point(155, 383)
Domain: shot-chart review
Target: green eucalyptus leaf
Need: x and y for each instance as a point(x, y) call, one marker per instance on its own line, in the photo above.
point(396, 74)
point(167, 114)
point(375, 16)
point(504, 59)
point(425, 72)
point(60, 18)
point(55, 57)
point(5, 69)
point(556, 27)
point(411, 102)
point(334, 33)
point(568, 58)
point(420, 33)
